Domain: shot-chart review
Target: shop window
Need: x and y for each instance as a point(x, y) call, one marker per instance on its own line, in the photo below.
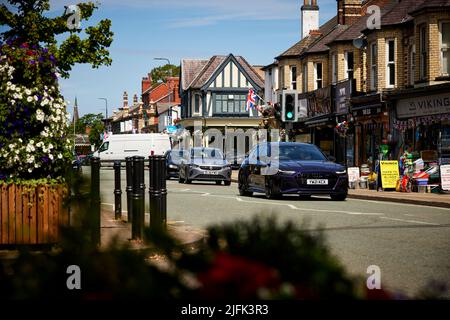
point(318, 75)
point(445, 48)
point(293, 78)
point(390, 58)
point(349, 64)
point(334, 68)
point(373, 66)
point(423, 52)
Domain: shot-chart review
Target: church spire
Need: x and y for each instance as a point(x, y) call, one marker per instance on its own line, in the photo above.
point(75, 111)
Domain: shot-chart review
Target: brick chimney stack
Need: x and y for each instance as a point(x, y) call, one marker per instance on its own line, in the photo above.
point(146, 83)
point(125, 100)
point(309, 17)
point(349, 11)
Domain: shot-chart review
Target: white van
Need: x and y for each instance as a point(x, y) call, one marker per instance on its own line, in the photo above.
point(120, 146)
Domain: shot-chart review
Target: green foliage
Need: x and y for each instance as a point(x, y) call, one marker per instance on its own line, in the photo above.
point(33, 116)
point(160, 74)
point(28, 24)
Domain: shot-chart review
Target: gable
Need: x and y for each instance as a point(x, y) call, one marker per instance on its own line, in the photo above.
point(230, 76)
point(234, 72)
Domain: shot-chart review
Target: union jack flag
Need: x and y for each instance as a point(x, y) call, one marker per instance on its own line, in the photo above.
point(251, 100)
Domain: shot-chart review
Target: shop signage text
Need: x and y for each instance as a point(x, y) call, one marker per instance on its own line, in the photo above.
point(445, 177)
point(423, 106)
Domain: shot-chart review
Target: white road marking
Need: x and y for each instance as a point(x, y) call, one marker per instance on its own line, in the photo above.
point(205, 194)
point(410, 221)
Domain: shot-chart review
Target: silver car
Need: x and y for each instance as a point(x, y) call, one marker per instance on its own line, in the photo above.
point(205, 164)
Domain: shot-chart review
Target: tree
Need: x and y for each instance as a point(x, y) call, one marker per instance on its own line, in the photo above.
point(89, 120)
point(28, 25)
point(160, 74)
point(33, 115)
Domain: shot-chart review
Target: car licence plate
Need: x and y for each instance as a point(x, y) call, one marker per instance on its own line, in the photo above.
point(211, 172)
point(317, 181)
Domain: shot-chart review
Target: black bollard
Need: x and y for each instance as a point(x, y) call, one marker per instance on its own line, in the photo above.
point(163, 185)
point(138, 215)
point(94, 218)
point(117, 191)
point(129, 189)
point(151, 191)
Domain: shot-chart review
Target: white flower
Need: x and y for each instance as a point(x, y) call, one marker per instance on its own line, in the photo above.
point(35, 98)
point(40, 115)
point(13, 101)
point(30, 159)
point(60, 156)
point(11, 146)
point(36, 165)
point(39, 144)
point(9, 83)
point(28, 91)
point(44, 134)
point(44, 102)
point(50, 146)
point(30, 170)
point(31, 141)
point(29, 99)
point(20, 140)
point(50, 156)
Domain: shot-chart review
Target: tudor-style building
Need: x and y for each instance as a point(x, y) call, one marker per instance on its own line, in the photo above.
point(214, 93)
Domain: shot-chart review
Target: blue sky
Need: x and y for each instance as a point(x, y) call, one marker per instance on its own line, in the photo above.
point(143, 29)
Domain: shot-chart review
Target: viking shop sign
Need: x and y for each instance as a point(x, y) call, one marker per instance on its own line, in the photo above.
point(389, 173)
point(423, 106)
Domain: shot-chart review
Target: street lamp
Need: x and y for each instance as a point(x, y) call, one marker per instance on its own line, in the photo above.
point(106, 113)
point(167, 83)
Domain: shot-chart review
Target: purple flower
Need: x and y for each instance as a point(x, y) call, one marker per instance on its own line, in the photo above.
point(45, 50)
point(32, 62)
point(45, 159)
point(52, 58)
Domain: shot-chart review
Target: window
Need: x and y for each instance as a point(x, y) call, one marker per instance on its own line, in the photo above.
point(334, 68)
point(445, 48)
point(423, 52)
point(373, 67)
point(305, 77)
point(412, 64)
point(293, 78)
point(197, 104)
point(318, 75)
point(390, 58)
point(229, 103)
point(349, 65)
point(104, 146)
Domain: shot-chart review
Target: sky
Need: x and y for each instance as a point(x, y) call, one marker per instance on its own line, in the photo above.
point(258, 30)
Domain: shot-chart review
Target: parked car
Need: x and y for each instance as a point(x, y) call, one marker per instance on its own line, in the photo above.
point(297, 168)
point(173, 161)
point(205, 164)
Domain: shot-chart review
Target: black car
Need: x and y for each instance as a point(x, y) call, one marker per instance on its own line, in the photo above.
point(173, 161)
point(277, 168)
point(205, 164)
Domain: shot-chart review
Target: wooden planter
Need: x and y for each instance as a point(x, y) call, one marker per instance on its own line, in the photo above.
point(31, 215)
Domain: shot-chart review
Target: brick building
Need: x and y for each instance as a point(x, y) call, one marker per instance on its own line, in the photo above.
point(388, 77)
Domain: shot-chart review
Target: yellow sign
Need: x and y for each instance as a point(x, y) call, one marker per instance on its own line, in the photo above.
point(389, 173)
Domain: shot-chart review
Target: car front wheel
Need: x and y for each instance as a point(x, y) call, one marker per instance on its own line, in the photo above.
point(270, 191)
point(242, 187)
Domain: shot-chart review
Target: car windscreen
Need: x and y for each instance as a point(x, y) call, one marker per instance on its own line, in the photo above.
point(206, 153)
point(177, 155)
point(298, 152)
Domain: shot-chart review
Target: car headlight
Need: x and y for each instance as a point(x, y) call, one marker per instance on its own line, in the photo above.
point(172, 166)
point(341, 172)
point(227, 166)
point(288, 172)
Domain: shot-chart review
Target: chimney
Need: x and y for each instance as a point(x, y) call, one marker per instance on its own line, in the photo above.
point(125, 100)
point(135, 99)
point(349, 11)
point(146, 83)
point(310, 17)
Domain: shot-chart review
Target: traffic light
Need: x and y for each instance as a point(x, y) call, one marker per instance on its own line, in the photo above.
point(289, 106)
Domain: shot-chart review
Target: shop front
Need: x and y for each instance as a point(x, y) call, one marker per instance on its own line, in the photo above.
point(422, 123)
point(371, 129)
point(321, 121)
point(344, 137)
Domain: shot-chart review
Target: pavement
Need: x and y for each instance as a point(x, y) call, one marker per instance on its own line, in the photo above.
point(119, 231)
point(441, 200)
